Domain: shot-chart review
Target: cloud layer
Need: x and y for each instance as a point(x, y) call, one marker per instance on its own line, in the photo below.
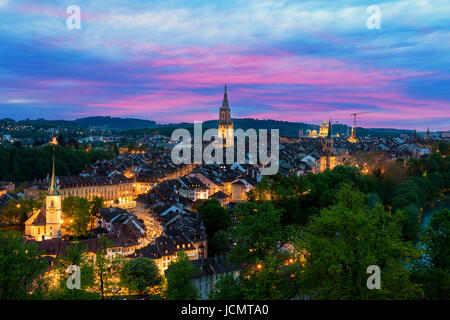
point(287, 60)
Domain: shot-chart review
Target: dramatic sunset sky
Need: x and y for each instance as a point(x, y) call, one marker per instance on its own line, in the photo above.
point(168, 60)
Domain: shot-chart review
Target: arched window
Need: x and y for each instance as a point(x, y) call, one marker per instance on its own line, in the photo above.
point(52, 204)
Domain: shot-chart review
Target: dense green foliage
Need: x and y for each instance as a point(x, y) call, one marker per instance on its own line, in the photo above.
point(226, 288)
point(18, 211)
point(339, 244)
point(339, 223)
point(80, 213)
point(179, 275)
point(217, 222)
point(301, 197)
point(28, 163)
point(257, 232)
point(107, 270)
point(432, 270)
point(19, 266)
point(74, 255)
point(139, 275)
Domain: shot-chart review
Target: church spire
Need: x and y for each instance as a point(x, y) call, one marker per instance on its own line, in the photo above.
point(225, 104)
point(53, 188)
point(329, 129)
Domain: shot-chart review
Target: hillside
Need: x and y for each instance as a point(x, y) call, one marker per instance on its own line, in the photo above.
point(105, 123)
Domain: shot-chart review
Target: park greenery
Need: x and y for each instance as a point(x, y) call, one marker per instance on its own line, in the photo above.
point(20, 164)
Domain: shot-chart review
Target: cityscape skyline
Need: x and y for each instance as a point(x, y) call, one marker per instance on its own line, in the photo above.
point(282, 60)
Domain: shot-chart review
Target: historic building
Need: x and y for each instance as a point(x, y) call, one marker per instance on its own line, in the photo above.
point(323, 131)
point(210, 270)
point(174, 230)
point(115, 190)
point(46, 222)
point(225, 125)
point(329, 158)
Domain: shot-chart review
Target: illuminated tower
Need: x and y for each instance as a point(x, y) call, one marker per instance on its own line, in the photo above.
point(329, 143)
point(323, 131)
point(225, 125)
point(352, 138)
point(53, 207)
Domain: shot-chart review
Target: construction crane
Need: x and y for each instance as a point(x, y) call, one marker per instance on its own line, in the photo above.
point(352, 137)
point(354, 117)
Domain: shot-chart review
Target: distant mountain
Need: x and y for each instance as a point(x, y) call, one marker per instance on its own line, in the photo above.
point(105, 123)
point(286, 128)
point(137, 127)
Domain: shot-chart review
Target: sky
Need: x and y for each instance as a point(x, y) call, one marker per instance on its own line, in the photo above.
point(168, 61)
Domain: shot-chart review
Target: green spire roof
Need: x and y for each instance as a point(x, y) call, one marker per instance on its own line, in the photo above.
point(53, 188)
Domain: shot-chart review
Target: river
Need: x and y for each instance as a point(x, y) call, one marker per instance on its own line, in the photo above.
point(430, 208)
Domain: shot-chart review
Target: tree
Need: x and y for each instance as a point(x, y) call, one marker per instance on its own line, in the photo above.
point(18, 211)
point(19, 265)
point(217, 222)
point(140, 275)
point(410, 222)
point(373, 199)
point(339, 244)
point(74, 256)
point(78, 211)
point(179, 275)
point(215, 217)
point(107, 270)
point(12, 213)
point(268, 280)
point(258, 231)
point(408, 192)
point(226, 288)
point(219, 244)
point(96, 205)
point(432, 270)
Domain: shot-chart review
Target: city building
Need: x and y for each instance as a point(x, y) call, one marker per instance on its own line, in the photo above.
point(193, 188)
point(181, 231)
point(210, 270)
point(114, 190)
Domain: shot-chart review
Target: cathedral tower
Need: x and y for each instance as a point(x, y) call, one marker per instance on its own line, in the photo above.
point(225, 125)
